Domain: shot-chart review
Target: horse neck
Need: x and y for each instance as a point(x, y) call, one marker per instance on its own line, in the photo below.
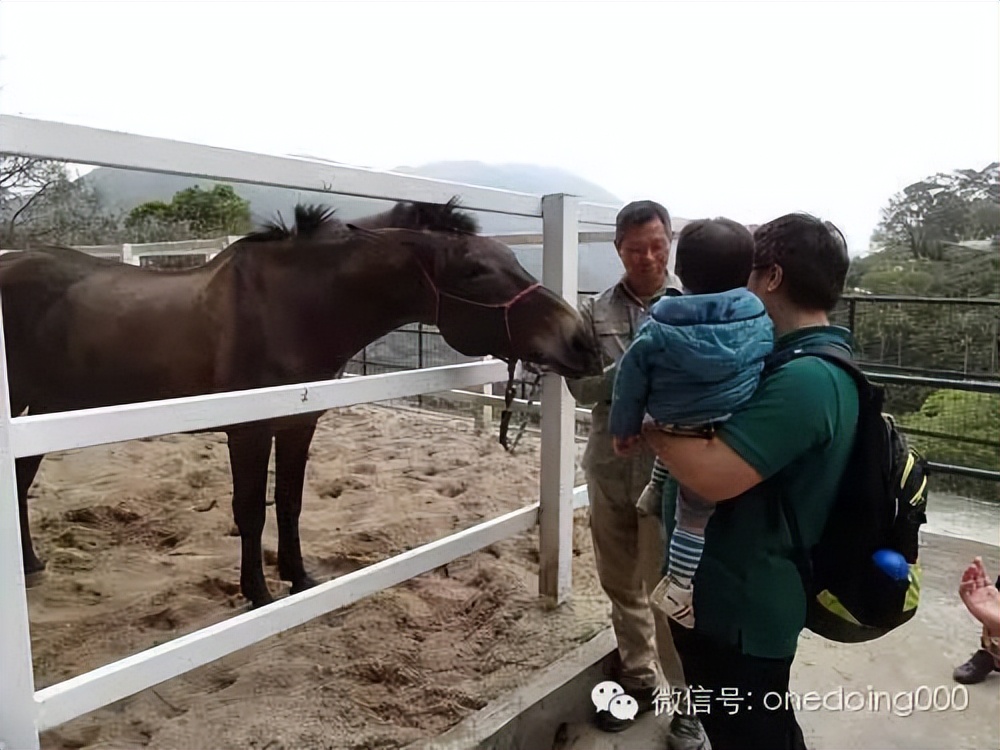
point(352, 298)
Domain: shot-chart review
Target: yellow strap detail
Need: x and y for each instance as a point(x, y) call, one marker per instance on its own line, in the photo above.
point(906, 470)
point(913, 592)
point(920, 492)
point(832, 603)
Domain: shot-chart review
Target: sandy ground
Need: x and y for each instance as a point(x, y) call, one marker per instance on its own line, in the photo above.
point(139, 541)
point(140, 547)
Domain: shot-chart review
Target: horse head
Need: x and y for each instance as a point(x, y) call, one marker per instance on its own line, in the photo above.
point(485, 302)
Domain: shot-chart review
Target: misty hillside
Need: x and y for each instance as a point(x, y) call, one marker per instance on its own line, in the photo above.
point(123, 190)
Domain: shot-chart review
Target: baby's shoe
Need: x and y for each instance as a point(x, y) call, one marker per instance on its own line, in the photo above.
point(675, 600)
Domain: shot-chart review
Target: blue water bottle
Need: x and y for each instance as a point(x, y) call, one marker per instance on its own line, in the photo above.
point(892, 564)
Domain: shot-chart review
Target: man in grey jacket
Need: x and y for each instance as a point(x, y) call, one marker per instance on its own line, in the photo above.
point(628, 546)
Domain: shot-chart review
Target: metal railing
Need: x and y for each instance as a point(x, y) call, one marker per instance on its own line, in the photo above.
point(962, 363)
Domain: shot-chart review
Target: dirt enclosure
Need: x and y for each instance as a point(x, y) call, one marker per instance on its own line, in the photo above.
point(141, 548)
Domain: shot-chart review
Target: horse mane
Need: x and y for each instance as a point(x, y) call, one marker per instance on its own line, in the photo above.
point(313, 220)
point(309, 220)
point(434, 216)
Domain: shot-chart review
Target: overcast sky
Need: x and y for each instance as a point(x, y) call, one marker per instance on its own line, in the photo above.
point(744, 109)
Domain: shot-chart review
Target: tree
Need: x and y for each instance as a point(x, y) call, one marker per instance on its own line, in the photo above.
point(195, 212)
point(898, 280)
point(945, 208)
point(40, 202)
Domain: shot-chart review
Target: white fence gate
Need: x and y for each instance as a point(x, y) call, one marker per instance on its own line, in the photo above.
point(24, 712)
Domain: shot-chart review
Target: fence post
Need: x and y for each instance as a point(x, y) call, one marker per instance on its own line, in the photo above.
point(484, 417)
point(17, 682)
point(995, 354)
point(420, 358)
point(560, 222)
point(127, 255)
point(420, 345)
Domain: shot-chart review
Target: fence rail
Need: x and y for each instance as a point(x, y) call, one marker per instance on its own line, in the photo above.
point(23, 710)
point(41, 139)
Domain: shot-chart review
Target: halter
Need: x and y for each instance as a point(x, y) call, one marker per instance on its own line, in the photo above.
point(512, 363)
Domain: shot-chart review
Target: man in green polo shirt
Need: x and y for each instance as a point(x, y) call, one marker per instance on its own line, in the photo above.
point(793, 438)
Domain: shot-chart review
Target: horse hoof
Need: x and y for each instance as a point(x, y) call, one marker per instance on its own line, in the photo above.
point(252, 605)
point(34, 578)
point(306, 583)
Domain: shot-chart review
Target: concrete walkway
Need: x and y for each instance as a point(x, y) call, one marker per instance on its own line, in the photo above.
point(908, 664)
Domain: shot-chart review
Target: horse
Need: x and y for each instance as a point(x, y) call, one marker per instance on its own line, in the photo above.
point(282, 305)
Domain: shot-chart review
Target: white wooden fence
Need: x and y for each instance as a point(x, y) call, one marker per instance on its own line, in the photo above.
point(24, 712)
point(132, 253)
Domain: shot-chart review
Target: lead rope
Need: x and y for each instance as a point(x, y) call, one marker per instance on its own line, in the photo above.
point(508, 399)
point(524, 422)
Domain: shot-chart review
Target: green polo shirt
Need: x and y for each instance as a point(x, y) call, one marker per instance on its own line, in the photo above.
point(796, 431)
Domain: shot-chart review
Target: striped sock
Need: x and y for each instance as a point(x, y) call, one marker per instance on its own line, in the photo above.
point(660, 473)
point(684, 555)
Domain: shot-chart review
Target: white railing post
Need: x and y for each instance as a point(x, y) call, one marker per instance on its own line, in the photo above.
point(484, 418)
point(17, 682)
point(560, 221)
point(128, 256)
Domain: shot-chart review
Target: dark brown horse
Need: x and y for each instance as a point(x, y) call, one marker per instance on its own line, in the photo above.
point(283, 305)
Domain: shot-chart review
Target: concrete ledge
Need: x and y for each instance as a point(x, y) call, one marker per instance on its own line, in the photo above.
point(519, 718)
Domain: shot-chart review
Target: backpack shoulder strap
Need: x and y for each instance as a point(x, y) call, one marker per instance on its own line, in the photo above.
point(828, 352)
point(835, 355)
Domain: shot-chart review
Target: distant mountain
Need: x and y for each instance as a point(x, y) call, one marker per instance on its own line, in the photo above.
point(123, 190)
point(523, 178)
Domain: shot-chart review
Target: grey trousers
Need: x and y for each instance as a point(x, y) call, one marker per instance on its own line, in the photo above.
point(629, 550)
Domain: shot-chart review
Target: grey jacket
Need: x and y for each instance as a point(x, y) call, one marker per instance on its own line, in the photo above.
point(614, 317)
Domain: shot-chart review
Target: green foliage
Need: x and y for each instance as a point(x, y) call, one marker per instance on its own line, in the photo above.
point(201, 214)
point(944, 208)
point(905, 281)
point(962, 429)
point(973, 416)
point(960, 272)
point(150, 211)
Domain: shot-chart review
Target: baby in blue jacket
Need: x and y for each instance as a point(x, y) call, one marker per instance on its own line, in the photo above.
point(696, 359)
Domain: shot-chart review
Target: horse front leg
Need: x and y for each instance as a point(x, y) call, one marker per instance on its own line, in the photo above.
point(34, 569)
point(292, 453)
point(249, 451)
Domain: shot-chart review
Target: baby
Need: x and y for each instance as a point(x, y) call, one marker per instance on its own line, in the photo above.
point(696, 359)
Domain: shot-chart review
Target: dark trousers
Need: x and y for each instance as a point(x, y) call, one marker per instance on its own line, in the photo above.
point(739, 699)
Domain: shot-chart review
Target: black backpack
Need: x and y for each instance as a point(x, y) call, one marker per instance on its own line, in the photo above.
point(881, 504)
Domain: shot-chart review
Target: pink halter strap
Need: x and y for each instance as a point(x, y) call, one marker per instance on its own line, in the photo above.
point(505, 306)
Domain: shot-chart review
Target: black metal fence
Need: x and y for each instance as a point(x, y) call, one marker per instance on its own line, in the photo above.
point(938, 358)
point(940, 361)
point(173, 262)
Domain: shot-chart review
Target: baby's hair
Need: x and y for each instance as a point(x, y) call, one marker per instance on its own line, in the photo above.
point(714, 255)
